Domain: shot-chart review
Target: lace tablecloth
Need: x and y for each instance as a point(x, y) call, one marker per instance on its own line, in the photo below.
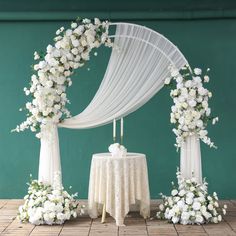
point(118, 182)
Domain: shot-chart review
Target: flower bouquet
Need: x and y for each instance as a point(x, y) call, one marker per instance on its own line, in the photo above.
point(191, 112)
point(190, 204)
point(46, 204)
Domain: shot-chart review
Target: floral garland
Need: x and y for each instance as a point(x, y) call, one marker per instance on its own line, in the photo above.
point(52, 72)
point(46, 204)
point(190, 112)
point(190, 204)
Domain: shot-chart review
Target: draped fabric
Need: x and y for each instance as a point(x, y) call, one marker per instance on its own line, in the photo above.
point(190, 159)
point(136, 71)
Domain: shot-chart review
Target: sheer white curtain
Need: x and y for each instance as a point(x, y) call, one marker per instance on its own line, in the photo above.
point(136, 71)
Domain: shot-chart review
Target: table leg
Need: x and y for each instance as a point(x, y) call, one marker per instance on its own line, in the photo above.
point(103, 213)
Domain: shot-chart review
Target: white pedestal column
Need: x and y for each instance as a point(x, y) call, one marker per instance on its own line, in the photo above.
point(190, 158)
point(49, 162)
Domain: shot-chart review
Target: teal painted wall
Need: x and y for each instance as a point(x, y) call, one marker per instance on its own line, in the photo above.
point(205, 43)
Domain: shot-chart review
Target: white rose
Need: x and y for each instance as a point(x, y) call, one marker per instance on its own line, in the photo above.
point(189, 200)
point(179, 79)
point(174, 72)
point(75, 43)
point(197, 71)
point(97, 21)
point(210, 207)
point(185, 216)
point(182, 192)
point(202, 91)
point(199, 123)
point(180, 204)
point(192, 92)
point(49, 83)
point(188, 83)
point(75, 51)
point(167, 80)
point(73, 25)
point(206, 79)
point(192, 103)
point(196, 206)
point(175, 220)
point(199, 219)
point(161, 207)
point(197, 80)
point(174, 192)
point(69, 32)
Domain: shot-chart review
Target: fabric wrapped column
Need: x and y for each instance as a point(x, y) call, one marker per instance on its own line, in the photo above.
point(49, 162)
point(190, 158)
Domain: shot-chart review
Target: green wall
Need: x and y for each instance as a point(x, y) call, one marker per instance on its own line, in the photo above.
point(205, 43)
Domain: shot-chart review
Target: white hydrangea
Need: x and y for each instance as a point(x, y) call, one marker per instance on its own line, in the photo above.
point(53, 70)
point(190, 112)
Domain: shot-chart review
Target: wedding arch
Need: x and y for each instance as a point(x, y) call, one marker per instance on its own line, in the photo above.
point(142, 61)
point(136, 71)
point(138, 66)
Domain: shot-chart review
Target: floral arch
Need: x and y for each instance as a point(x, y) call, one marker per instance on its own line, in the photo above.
point(141, 63)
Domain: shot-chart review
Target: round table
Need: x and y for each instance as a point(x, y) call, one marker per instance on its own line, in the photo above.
point(116, 183)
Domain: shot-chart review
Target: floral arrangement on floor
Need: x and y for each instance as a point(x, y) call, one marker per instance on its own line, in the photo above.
point(190, 204)
point(190, 112)
point(46, 204)
point(53, 70)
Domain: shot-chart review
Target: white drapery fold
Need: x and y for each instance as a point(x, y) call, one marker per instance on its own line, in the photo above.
point(190, 158)
point(136, 71)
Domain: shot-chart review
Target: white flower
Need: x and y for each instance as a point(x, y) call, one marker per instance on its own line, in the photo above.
point(161, 207)
point(188, 83)
point(73, 25)
point(206, 79)
point(210, 207)
point(174, 72)
point(182, 192)
point(36, 56)
point(174, 192)
point(196, 206)
point(197, 71)
point(215, 220)
point(199, 219)
point(199, 123)
point(97, 21)
point(175, 219)
point(215, 120)
point(219, 218)
point(189, 200)
point(192, 103)
point(167, 80)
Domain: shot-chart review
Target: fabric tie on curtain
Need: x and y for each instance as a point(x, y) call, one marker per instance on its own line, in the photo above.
point(136, 71)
